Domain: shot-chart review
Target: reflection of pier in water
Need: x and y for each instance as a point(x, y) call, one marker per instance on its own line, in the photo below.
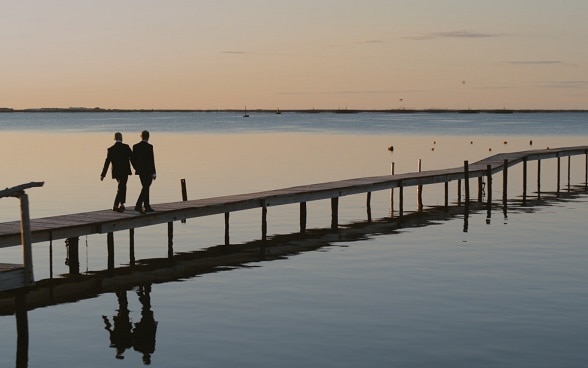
point(181, 266)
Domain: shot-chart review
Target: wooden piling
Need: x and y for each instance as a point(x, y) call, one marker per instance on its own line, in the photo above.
point(227, 234)
point(480, 189)
point(505, 182)
point(392, 191)
point(184, 194)
point(459, 192)
point(263, 220)
point(170, 239)
point(22, 329)
point(558, 173)
point(400, 199)
point(446, 195)
point(110, 250)
point(489, 181)
point(73, 257)
point(466, 179)
point(419, 191)
point(524, 181)
point(538, 179)
point(569, 171)
point(302, 217)
point(25, 234)
point(132, 247)
point(369, 206)
point(335, 213)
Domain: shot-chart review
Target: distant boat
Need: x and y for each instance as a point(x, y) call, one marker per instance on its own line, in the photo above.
point(246, 115)
point(278, 112)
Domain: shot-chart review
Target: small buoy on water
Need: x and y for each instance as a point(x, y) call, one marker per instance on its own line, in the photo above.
point(530, 143)
point(489, 149)
point(505, 142)
point(471, 142)
point(391, 148)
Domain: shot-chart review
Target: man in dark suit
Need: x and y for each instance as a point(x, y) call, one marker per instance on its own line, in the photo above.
point(119, 155)
point(144, 164)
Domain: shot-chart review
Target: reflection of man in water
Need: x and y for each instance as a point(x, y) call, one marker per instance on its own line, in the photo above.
point(145, 329)
point(121, 336)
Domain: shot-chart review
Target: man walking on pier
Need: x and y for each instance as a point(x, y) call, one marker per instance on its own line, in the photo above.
point(144, 164)
point(119, 154)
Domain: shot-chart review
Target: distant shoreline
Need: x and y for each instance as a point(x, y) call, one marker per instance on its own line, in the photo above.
point(304, 111)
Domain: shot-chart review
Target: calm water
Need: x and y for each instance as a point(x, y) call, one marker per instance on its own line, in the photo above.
point(443, 291)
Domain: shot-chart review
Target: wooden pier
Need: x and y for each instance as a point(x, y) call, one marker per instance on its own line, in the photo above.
point(71, 226)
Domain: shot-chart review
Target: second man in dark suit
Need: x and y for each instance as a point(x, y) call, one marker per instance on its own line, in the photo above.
point(119, 156)
point(144, 164)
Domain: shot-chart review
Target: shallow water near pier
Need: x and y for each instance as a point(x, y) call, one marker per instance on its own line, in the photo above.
point(448, 290)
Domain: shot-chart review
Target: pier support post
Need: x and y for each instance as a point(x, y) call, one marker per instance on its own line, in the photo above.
point(524, 181)
point(466, 174)
point(263, 220)
point(110, 250)
point(459, 192)
point(569, 171)
point(302, 217)
point(446, 195)
point(400, 199)
point(538, 179)
point(480, 189)
point(586, 172)
point(489, 202)
point(392, 189)
point(73, 256)
point(227, 234)
point(369, 206)
point(25, 237)
point(132, 247)
point(335, 213)
point(419, 191)
point(22, 329)
point(170, 240)
point(558, 173)
point(505, 182)
point(184, 194)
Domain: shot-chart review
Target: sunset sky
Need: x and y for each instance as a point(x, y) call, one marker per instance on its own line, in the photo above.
point(303, 54)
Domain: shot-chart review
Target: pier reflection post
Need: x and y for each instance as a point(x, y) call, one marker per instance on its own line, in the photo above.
point(22, 328)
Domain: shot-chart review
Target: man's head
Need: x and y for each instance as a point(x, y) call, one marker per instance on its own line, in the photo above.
point(145, 135)
point(118, 136)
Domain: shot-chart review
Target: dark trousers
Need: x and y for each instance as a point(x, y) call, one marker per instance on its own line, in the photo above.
point(121, 191)
point(143, 199)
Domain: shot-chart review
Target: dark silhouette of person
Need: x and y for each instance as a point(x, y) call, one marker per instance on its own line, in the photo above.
point(119, 155)
point(145, 330)
point(144, 164)
point(121, 336)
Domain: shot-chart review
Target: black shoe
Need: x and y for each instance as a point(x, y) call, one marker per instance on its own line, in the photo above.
point(139, 209)
point(149, 209)
point(122, 208)
point(118, 209)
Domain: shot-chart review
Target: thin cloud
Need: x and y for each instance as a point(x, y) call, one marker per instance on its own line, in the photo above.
point(233, 52)
point(535, 62)
point(370, 42)
point(579, 84)
point(453, 34)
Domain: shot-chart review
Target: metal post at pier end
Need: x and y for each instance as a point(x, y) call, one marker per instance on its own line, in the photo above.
point(25, 236)
point(227, 234)
point(335, 213)
point(184, 194)
point(263, 220)
point(369, 206)
point(302, 217)
point(110, 250)
point(505, 182)
point(419, 190)
point(489, 202)
point(466, 179)
point(170, 240)
point(524, 181)
point(392, 191)
point(132, 247)
point(538, 179)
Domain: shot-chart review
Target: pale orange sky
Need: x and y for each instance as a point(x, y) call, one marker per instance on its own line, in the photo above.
point(324, 54)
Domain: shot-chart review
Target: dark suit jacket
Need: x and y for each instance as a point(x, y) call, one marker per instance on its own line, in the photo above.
point(119, 155)
point(143, 160)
